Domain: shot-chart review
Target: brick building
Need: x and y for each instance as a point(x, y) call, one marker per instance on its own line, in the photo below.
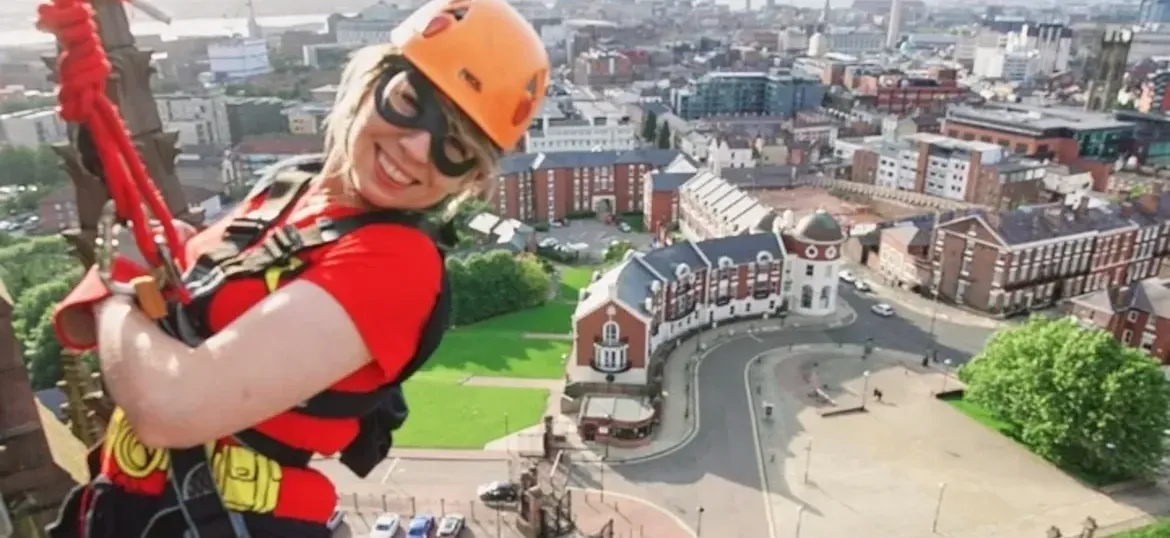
point(652, 299)
point(1013, 261)
point(554, 185)
point(1137, 314)
point(1094, 140)
point(900, 93)
point(602, 68)
point(660, 207)
point(964, 170)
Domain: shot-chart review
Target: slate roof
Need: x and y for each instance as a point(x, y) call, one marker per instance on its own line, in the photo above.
point(630, 283)
point(669, 181)
point(520, 162)
point(1151, 296)
point(1050, 221)
point(909, 235)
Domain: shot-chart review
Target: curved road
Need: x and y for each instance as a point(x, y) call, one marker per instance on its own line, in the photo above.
point(718, 468)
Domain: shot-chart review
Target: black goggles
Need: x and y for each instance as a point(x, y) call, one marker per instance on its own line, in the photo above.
point(425, 114)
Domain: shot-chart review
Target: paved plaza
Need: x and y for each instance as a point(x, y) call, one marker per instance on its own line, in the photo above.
point(887, 471)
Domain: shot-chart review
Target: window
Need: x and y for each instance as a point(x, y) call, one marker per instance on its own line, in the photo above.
point(1132, 316)
point(1126, 336)
point(808, 270)
point(609, 332)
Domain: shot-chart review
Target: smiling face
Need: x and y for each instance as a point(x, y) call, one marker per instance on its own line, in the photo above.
point(394, 166)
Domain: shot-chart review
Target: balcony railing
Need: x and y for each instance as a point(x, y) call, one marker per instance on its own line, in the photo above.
point(611, 357)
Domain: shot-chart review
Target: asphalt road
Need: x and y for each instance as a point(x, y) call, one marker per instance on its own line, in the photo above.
point(717, 470)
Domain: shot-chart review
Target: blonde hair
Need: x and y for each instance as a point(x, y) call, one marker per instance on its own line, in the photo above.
point(357, 85)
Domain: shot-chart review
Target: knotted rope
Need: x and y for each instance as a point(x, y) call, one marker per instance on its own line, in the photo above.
point(82, 70)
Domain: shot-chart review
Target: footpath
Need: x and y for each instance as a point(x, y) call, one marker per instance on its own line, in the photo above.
point(680, 380)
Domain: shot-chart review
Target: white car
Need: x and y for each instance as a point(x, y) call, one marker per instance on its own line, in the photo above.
point(548, 242)
point(623, 227)
point(882, 309)
point(386, 526)
point(451, 525)
point(846, 276)
point(861, 285)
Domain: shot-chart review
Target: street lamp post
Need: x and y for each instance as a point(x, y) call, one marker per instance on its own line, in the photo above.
point(942, 488)
point(699, 523)
point(865, 388)
point(799, 519)
point(807, 459)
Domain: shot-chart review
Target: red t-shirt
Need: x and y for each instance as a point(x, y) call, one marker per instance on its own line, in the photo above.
point(387, 278)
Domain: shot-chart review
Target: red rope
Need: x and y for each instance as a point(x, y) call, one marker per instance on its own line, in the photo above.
point(82, 71)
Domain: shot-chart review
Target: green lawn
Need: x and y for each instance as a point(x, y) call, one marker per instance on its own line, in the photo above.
point(552, 317)
point(447, 415)
point(980, 415)
point(468, 352)
point(1156, 530)
point(575, 278)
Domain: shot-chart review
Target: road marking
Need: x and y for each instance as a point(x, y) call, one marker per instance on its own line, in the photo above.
point(765, 491)
point(677, 519)
point(390, 470)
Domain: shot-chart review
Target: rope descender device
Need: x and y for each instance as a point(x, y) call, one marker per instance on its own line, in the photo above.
point(83, 69)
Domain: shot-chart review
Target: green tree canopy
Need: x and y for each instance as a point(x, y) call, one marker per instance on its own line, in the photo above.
point(493, 283)
point(616, 250)
point(649, 126)
point(33, 261)
point(1074, 396)
point(664, 137)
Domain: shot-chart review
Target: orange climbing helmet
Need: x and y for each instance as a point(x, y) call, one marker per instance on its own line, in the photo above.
point(484, 57)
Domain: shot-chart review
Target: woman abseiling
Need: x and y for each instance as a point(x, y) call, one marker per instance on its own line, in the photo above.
point(313, 301)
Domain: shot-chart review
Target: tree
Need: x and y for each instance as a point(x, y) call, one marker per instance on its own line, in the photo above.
point(649, 126)
point(27, 263)
point(664, 137)
point(1075, 397)
point(493, 283)
point(616, 250)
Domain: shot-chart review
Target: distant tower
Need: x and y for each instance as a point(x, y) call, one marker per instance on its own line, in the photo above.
point(818, 45)
point(894, 29)
point(1108, 69)
point(824, 22)
point(253, 26)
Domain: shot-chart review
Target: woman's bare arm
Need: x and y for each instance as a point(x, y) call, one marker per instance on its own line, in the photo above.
point(295, 343)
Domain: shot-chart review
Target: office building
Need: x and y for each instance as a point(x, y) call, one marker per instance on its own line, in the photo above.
point(748, 93)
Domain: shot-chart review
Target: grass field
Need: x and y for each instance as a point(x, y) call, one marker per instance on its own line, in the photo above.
point(1157, 530)
point(468, 352)
point(551, 317)
point(574, 279)
point(444, 414)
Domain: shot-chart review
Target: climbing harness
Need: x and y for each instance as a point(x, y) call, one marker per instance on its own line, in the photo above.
point(254, 247)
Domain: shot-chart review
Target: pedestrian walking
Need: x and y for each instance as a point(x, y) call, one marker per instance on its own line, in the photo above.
point(877, 395)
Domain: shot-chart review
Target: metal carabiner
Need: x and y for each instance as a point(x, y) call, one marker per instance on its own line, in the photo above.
point(143, 288)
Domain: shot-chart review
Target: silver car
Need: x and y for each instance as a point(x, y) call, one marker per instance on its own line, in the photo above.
point(451, 525)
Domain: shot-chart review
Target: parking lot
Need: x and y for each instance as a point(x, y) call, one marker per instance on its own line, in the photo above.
point(595, 234)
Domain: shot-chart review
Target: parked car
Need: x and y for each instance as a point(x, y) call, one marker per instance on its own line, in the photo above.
point(498, 492)
point(386, 526)
point(846, 276)
point(421, 526)
point(882, 309)
point(336, 519)
point(451, 525)
point(625, 227)
point(548, 242)
point(861, 285)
